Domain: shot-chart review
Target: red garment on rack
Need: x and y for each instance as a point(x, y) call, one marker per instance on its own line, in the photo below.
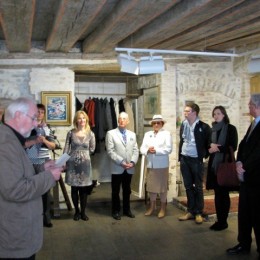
point(89, 107)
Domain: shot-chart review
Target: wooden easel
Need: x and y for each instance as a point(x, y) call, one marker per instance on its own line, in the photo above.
point(56, 199)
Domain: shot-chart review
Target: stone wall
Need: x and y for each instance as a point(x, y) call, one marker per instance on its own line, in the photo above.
point(208, 84)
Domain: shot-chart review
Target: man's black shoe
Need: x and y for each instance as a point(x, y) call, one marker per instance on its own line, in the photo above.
point(116, 216)
point(238, 249)
point(129, 214)
point(218, 226)
point(49, 225)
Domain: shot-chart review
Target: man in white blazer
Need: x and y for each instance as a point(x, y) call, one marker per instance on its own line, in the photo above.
point(123, 151)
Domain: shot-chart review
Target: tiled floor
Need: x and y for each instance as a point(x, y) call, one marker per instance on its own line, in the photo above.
point(102, 237)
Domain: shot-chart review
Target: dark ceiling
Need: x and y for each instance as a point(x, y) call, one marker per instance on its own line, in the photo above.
point(95, 27)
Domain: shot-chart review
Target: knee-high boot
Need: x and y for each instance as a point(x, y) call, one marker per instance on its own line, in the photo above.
point(149, 212)
point(162, 210)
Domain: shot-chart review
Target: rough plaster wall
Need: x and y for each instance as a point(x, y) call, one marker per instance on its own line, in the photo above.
point(168, 111)
point(240, 70)
point(14, 83)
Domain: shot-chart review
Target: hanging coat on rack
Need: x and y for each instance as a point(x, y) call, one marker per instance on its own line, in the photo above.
point(121, 106)
point(113, 113)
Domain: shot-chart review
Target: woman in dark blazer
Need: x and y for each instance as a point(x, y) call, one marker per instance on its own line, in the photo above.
point(223, 136)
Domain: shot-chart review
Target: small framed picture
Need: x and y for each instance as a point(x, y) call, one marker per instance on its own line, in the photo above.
point(151, 102)
point(58, 107)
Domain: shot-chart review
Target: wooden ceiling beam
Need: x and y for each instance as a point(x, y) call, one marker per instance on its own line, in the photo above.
point(16, 18)
point(237, 32)
point(237, 42)
point(127, 17)
point(72, 20)
point(184, 15)
point(217, 24)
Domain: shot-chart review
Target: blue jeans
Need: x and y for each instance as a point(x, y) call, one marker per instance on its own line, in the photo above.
point(192, 172)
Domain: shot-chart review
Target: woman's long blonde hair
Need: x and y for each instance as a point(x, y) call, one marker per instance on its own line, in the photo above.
point(78, 113)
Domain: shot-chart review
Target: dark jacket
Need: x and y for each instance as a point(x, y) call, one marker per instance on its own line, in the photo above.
point(249, 155)
point(202, 139)
point(231, 140)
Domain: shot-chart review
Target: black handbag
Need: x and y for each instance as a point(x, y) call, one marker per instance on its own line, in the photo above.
point(226, 172)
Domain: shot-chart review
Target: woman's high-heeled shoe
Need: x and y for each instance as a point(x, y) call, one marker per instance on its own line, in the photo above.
point(84, 217)
point(76, 216)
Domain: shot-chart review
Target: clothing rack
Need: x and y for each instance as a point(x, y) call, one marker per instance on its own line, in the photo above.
point(107, 94)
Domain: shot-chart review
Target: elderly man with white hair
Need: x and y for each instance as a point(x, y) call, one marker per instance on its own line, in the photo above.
point(21, 189)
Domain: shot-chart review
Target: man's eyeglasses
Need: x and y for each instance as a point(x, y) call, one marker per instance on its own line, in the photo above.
point(34, 118)
point(157, 123)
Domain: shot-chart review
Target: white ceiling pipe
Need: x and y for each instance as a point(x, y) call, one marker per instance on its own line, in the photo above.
point(199, 53)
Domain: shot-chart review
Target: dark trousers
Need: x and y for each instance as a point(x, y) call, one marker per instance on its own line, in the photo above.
point(222, 204)
point(249, 215)
point(192, 173)
point(117, 180)
point(46, 203)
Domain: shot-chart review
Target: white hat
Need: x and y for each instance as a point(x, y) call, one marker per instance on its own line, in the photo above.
point(157, 118)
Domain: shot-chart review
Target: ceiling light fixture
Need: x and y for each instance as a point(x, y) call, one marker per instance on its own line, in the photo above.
point(198, 53)
point(254, 65)
point(146, 65)
point(128, 63)
point(151, 65)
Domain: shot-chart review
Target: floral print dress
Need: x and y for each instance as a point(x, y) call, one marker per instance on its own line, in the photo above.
point(78, 167)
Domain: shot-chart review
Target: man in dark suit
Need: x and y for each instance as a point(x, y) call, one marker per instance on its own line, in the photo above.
point(248, 165)
point(122, 149)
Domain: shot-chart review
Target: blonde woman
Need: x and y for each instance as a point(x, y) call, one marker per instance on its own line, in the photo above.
point(80, 143)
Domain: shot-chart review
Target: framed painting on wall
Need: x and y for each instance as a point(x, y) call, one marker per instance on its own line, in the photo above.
point(58, 107)
point(151, 102)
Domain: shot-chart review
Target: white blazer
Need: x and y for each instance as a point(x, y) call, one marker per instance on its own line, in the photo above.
point(118, 151)
point(162, 143)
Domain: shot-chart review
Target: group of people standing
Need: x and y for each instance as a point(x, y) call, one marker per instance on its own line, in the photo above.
point(31, 176)
point(198, 141)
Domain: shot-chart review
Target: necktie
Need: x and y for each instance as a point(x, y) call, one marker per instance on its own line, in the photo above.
point(124, 136)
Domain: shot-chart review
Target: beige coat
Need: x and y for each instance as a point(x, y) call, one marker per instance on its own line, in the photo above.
point(21, 226)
